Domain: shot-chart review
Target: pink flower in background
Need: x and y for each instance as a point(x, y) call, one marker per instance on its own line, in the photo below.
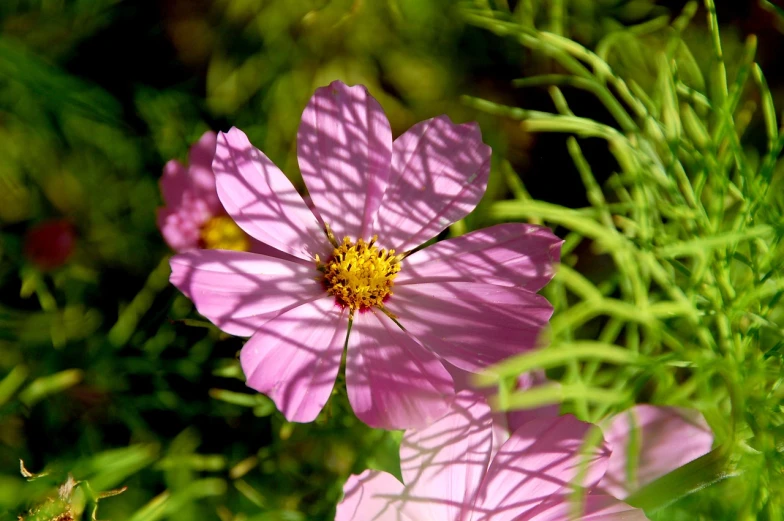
point(450, 473)
point(194, 216)
point(648, 442)
point(470, 300)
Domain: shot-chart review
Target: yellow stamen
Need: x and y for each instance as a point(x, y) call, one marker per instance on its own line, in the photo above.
point(222, 233)
point(360, 275)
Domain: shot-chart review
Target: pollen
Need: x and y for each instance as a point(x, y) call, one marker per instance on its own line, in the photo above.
point(222, 233)
point(360, 275)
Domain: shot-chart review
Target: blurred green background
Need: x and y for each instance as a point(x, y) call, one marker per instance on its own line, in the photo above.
point(105, 370)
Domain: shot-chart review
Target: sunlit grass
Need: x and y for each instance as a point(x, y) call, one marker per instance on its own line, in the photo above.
point(686, 309)
point(669, 292)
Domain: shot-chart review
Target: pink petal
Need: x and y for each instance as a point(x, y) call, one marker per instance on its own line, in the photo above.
point(174, 183)
point(463, 383)
point(344, 147)
point(269, 251)
point(511, 420)
point(239, 291)
point(372, 496)
point(393, 382)
point(439, 174)
point(443, 463)
point(665, 438)
point(516, 419)
point(262, 201)
point(200, 156)
point(178, 228)
point(471, 325)
point(196, 183)
point(504, 423)
point(542, 458)
point(594, 508)
point(294, 358)
point(511, 254)
point(200, 159)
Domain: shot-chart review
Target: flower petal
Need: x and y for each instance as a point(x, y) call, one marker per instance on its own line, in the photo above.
point(594, 508)
point(294, 358)
point(174, 183)
point(200, 158)
point(439, 174)
point(179, 229)
point(196, 182)
point(506, 422)
point(659, 439)
point(511, 254)
point(239, 291)
point(262, 201)
point(265, 249)
point(393, 382)
point(516, 419)
point(471, 325)
point(443, 463)
point(542, 458)
point(372, 496)
point(344, 147)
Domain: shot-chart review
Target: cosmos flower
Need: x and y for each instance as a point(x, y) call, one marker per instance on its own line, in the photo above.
point(194, 216)
point(647, 441)
point(450, 473)
point(354, 275)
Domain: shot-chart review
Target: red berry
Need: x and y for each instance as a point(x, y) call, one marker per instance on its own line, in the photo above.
point(49, 244)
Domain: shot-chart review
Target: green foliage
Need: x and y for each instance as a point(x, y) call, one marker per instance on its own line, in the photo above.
point(684, 309)
point(669, 291)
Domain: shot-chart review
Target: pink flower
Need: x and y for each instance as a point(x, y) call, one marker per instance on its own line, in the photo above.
point(450, 473)
point(194, 216)
point(354, 264)
point(649, 442)
point(505, 422)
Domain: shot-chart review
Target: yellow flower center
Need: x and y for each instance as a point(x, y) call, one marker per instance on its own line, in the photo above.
point(360, 275)
point(222, 233)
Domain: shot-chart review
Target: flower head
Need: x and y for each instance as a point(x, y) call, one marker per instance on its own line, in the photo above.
point(349, 272)
point(193, 216)
point(359, 276)
point(450, 473)
point(647, 441)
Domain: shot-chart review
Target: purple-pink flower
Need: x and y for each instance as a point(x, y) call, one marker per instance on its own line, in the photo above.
point(451, 473)
point(648, 442)
point(351, 274)
point(194, 216)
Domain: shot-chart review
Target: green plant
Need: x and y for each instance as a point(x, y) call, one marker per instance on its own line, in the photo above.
point(688, 313)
